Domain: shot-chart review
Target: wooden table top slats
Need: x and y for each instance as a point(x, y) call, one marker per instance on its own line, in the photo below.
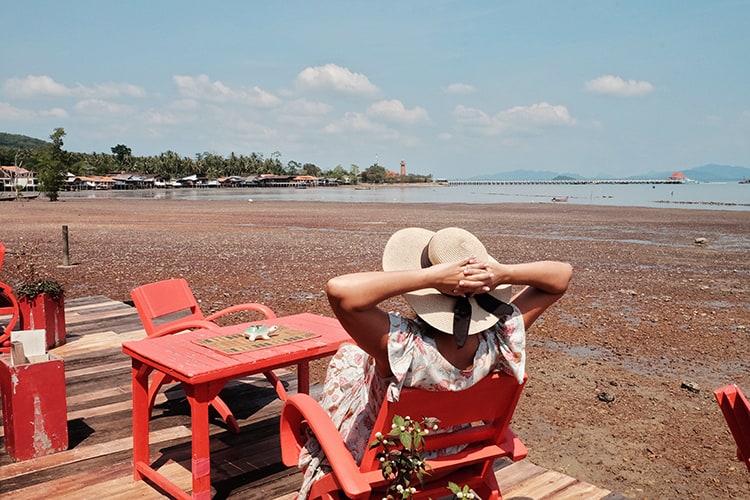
point(180, 356)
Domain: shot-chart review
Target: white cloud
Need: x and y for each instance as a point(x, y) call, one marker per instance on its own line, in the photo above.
point(101, 107)
point(394, 110)
point(54, 113)
point(471, 116)
point(12, 113)
point(201, 88)
point(336, 79)
point(527, 119)
point(459, 88)
point(111, 90)
point(45, 86)
point(184, 105)
point(356, 122)
point(301, 113)
point(303, 107)
point(35, 86)
point(614, 85)
point(161, 118)
point(538, 115)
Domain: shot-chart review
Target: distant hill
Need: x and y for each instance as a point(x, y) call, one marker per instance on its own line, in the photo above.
point(20, 141)
point(705, 173)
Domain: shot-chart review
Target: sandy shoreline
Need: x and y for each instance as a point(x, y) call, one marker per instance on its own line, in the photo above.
point(648, 308)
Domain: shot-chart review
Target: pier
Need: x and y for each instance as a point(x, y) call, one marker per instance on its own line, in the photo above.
point(489, 182)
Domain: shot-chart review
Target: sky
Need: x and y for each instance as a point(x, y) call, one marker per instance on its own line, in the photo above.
point(454, 89)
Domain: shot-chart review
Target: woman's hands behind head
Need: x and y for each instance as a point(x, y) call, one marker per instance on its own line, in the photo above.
point(463, 277)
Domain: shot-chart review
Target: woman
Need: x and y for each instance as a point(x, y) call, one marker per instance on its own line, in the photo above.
point(466, 327)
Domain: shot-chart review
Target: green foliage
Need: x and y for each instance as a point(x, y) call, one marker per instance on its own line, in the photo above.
point(311, 169)
point(122, 153)
point(400, 457)
point(31, 290)
point(53, 165)
point(460, 491)
point(42, 156)
point(375, 174)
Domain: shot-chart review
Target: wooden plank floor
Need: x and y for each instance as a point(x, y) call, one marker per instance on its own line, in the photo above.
point(98, 462)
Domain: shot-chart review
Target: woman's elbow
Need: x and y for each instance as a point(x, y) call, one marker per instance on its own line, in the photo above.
point(564, 275)
point(339, 292)
point(334, 289)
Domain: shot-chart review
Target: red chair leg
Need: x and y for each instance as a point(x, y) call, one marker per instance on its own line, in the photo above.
point(277, 384)
point(8, 307)
point(158, 379)
point(226, 414)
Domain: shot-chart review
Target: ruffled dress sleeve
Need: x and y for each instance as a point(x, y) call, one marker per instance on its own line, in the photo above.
point(509, 338)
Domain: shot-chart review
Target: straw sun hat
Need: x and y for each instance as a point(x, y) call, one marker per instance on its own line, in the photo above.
point(416, 248)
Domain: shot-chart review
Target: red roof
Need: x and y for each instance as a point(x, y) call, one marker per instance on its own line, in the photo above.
point(677, 175)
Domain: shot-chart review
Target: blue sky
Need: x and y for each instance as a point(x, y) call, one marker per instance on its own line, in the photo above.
point(455, 89)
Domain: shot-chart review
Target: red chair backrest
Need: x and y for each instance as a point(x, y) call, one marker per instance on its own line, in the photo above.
point(736, 412)
point(164, 303)
point(492, 401)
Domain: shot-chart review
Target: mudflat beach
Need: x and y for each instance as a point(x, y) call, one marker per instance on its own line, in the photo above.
point(657, 315)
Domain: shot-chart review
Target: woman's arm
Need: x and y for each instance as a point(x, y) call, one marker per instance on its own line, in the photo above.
point(354, 299)
point(546, 282)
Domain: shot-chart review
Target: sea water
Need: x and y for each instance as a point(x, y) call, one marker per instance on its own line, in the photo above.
point(719, 196)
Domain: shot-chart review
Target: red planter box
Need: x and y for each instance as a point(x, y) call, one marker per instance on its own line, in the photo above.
point(44, 313)
point(35, 411)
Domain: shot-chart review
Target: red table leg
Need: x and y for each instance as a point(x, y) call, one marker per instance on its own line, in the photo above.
point(303, 377)
point(140, 373)
point(200, 397)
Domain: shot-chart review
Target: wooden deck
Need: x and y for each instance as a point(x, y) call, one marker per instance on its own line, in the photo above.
point(98, 464)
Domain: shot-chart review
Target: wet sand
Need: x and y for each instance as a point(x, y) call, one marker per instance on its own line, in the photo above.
point(648, 309)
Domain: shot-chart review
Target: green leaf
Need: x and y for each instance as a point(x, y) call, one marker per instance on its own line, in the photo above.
point(406, 440)
point(418, 441)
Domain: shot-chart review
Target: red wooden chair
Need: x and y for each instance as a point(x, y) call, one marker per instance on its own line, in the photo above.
point(736, 412)
point(488, 406)
point(169, 307)
point(8, 309)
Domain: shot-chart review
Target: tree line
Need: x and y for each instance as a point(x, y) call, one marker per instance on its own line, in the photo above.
point(52, 163)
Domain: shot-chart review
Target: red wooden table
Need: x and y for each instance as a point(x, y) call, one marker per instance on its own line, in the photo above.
point(203, 372)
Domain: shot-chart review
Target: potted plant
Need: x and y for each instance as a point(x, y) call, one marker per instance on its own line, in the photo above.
point(41, 306)
point(41, 300)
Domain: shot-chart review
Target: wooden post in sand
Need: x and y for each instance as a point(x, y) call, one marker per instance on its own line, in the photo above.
point(66, 248)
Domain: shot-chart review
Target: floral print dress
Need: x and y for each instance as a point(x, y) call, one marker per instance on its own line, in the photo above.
point(353, 392)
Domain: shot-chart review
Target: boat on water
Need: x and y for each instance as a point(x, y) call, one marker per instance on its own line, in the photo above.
point(22, 197)
point(560, 199)
point(745, 180)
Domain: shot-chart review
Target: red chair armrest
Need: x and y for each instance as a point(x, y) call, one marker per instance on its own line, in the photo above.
point(194, 324)
point(300, 408)
point(263, 309)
